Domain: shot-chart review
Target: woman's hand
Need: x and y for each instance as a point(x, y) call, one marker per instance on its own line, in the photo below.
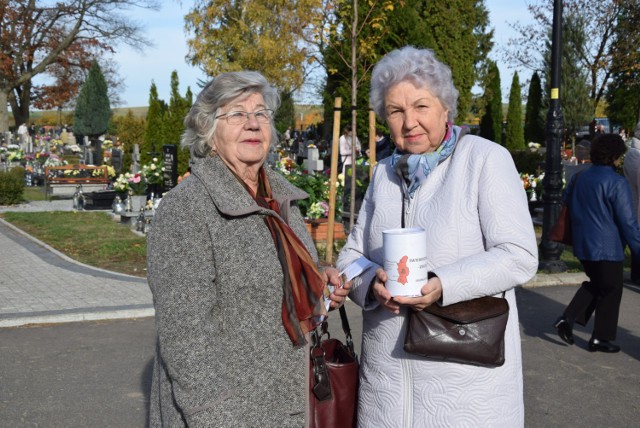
point(431, 293)
point(341, 291)
point(381, 293)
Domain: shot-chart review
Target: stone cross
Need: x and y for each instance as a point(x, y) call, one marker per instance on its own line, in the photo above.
point(135, 159)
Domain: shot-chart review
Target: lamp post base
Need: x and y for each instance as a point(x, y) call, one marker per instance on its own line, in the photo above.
point(552, 266)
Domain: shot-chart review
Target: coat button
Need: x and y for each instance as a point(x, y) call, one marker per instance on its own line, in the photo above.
point(461, 332)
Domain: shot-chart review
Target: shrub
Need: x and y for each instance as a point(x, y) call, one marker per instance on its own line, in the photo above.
point(11, 186)
point(531, 162)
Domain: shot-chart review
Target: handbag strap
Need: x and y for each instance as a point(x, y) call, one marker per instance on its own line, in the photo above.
point(347, 331)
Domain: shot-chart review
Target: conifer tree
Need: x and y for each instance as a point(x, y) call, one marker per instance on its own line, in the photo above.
point(514, 132)
point(173, 124)
point(491, 121)
point(153, 134)
point(92, 113)
point(533, 119)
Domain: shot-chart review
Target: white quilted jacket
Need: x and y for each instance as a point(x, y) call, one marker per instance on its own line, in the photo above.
point(480, 242)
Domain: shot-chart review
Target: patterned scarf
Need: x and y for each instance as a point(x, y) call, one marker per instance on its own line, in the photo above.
point(303, 287)
point(415, 168)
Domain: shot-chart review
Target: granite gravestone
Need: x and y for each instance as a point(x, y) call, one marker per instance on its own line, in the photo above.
point(170, 159)
point(116, 160)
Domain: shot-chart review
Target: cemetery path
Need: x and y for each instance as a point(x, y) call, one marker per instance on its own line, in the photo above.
point(41, 285)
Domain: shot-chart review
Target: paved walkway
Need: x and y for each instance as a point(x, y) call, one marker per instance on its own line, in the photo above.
point(40, 285)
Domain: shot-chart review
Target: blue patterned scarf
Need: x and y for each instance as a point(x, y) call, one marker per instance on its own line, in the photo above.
point(415, 168)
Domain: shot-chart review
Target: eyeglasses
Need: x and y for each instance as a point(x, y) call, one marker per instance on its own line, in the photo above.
point(241, 117)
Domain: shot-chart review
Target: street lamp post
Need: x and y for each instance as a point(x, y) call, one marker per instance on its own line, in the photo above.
point(550, 251)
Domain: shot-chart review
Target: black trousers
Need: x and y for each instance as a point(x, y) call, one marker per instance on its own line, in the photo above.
point(635, 268)
point(602, 294)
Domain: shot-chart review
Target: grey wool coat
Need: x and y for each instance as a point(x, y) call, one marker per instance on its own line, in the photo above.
point(480, 242)
point(223, 357)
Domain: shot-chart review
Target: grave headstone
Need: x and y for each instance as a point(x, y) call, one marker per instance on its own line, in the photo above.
point(116, 160)
point(88, 155)
point(170, 159)
point(97, 151)
point(313, 161)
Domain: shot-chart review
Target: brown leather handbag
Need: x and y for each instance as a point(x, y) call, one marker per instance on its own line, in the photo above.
point(470, 332)
point(333, 379)
point(561, 230)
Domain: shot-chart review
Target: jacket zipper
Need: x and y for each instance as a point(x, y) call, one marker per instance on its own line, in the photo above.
point(407, 380)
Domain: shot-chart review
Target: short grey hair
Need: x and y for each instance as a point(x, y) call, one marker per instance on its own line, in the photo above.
point(636, 132)
point(200, 123)
point(419, 66)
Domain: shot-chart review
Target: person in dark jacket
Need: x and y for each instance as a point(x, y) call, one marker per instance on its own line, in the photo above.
point(384, 146)
point(603, 221)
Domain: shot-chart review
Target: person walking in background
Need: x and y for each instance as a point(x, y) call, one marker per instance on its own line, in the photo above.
point(345, 144)
point(384, 147)
point(631, 170)
point(602, 220)
point(465, 192)
point(233, 273)
point(623, 133)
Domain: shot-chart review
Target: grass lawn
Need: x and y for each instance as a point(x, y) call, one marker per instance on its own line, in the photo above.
point(34, 193)
point(89, 237)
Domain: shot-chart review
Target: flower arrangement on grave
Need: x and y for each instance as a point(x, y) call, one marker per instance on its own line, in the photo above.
point(73, 173)
point(532, 185)
point(153, 171)
point(14, 153)
point(111, 172)
point(318, 210)
point(54, 160)
point(136, 183)
point(56, 143)
point(317, 185)
point(42, 157)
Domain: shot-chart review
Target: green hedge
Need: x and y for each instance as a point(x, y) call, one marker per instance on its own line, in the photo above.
point(11, 186)
point(528, 162)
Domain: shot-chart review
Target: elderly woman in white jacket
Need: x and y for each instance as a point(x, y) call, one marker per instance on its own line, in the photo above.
point(466, 193)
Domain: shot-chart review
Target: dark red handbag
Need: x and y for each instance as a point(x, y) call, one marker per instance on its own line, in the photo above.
point(333, 379)
point(561, 231)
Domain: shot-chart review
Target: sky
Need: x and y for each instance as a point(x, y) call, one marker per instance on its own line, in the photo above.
point(166, 29)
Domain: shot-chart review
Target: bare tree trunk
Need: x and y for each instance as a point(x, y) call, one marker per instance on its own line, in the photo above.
point(20, 105)
point(4, 111)
point(354, 103)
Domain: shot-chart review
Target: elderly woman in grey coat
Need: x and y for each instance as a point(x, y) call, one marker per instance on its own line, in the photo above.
point(465, 192)
point(233, 273)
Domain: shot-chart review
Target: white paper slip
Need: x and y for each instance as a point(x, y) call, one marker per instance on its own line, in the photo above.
point(327, 299)
point(356, 268)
